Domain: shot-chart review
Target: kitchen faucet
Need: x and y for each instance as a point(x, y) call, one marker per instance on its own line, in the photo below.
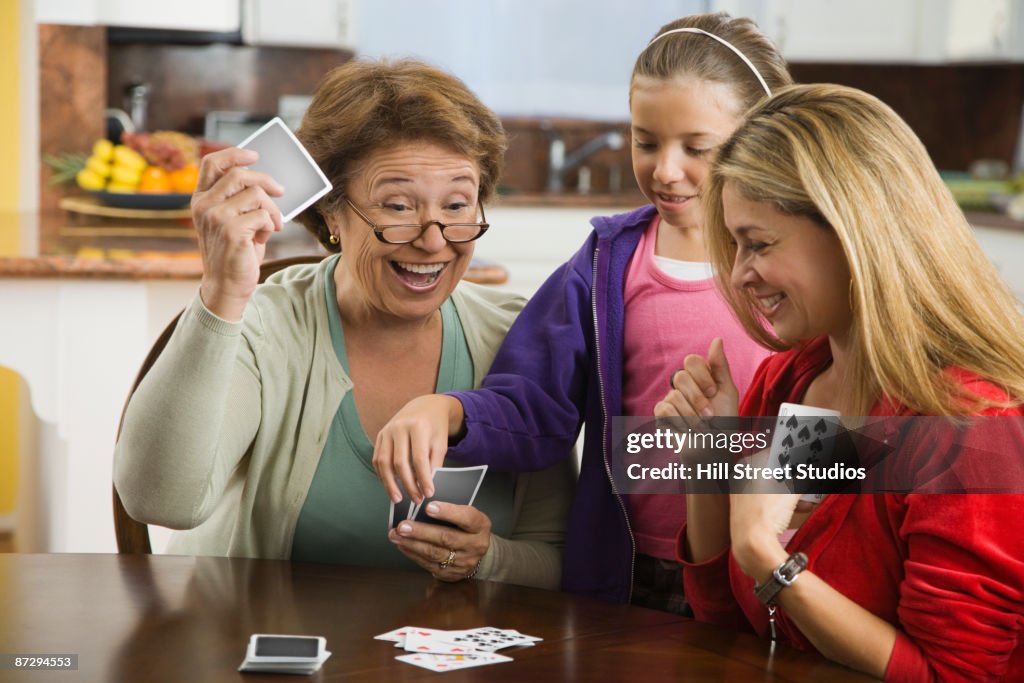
point(559, 163)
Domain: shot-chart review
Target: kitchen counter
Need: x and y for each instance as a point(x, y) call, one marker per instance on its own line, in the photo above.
point(68, 245)
point(64, 245)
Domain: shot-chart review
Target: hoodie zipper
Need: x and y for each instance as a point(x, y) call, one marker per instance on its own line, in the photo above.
point(604, 428)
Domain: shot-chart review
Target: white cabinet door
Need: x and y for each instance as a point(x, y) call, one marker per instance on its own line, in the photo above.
point(299, 23)
point(70, 12)
point(895, 31)
point(194, 15)
point(976, 30)
point(844, 31)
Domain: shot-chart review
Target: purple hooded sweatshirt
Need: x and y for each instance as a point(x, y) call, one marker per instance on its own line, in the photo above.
point(561, 365)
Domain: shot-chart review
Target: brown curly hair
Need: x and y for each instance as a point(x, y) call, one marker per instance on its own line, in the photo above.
point(367, 105)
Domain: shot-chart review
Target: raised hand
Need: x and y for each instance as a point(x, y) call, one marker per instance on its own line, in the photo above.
point(234, 217)
point(703, 388)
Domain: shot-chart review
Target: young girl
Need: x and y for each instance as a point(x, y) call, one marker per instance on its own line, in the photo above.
point(602, 335)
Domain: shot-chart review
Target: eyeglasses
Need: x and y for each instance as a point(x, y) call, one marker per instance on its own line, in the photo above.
point(404, 233)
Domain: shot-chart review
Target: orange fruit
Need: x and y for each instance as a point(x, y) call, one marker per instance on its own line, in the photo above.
point(154, 179)
point(185, 179)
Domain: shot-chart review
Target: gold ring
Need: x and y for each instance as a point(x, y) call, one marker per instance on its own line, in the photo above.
point(448, 561)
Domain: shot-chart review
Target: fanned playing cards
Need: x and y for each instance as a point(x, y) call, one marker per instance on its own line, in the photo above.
point(440, 650)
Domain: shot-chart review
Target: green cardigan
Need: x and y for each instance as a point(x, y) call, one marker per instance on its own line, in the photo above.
point(222, 437)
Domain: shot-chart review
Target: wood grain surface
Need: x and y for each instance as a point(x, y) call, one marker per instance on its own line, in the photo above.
point(167, 618)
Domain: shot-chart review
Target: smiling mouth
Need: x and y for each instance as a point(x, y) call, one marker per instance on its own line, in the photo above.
point(419, 275)
point(770, 304)
point(674, 198)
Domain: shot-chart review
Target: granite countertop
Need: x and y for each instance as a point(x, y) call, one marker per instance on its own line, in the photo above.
point(60, 244)
point(66, 245)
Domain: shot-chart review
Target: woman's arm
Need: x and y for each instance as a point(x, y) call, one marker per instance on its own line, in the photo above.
point(961, 599)
point(532, 555)
point(189, 423)
point(839, 628)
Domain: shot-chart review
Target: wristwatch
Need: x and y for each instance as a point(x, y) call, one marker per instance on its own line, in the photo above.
point(782, 576)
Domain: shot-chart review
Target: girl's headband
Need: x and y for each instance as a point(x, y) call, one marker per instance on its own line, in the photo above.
point(723, 41)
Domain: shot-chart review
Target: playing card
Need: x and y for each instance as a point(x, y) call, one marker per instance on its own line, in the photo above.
point(396, 636)
point(284, 158)
point(490, 639)
point(284, 654)
point(456, 485)
point(400, 511)
point(452, 662)
point(435, 642)
point(803, 435)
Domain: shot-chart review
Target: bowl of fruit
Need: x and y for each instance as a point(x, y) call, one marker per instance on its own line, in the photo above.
point(152, 171)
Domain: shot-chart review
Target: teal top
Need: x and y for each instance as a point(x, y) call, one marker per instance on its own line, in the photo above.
point(344, 518)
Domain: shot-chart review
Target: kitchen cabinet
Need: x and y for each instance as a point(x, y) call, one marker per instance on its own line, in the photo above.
point(889, 31)
point(188, 15)
point(299, 23)
point(974, 30)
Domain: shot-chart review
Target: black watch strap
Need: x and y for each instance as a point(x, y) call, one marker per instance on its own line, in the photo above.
point(782, 576)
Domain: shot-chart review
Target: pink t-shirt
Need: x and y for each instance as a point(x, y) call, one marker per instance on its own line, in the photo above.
point(666, 320)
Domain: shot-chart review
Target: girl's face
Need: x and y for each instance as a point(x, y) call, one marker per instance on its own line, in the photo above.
point(411, 182)
point(676, 124)
point(794, 268)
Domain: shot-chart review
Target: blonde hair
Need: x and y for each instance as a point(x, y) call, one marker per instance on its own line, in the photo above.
point(367, 105)
point(689, 54)
point(924, 297)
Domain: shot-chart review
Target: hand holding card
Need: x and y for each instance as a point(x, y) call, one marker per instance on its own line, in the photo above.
point(455, 485)
point(803, 435)
point(284, 158)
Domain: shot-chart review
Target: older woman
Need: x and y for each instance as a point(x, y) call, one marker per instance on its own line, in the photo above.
point(254, 431)
point(827, 219)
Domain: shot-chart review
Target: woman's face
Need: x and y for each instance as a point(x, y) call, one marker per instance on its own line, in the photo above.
point(793, 267)
point(411, 182)
point(675, 125)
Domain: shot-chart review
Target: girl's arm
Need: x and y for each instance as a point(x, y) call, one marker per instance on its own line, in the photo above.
point(527, 413)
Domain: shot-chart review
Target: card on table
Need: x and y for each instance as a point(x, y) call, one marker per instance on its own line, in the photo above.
point(272, 653)
point(435, 642)
point(489, 639)
point(803, 435)
point(452, 662)
point(396, 636)
point(440, 641)
point(284, 158)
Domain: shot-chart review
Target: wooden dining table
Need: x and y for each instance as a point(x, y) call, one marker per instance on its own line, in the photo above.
point(151, 618)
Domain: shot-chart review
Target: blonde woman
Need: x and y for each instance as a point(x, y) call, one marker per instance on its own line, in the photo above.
point(826, 218)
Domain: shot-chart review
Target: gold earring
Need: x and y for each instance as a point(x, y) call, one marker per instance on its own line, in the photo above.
point(333, 239)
